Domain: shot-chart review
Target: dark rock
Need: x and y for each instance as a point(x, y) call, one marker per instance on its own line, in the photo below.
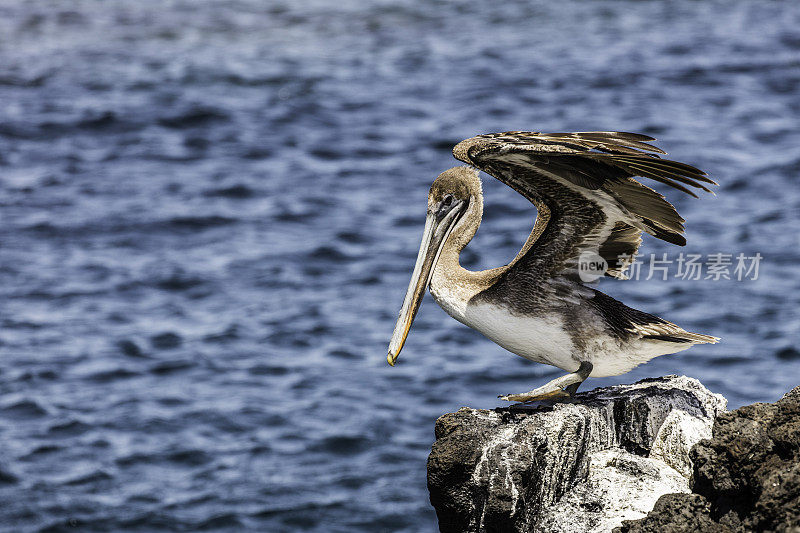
point(676, 512)
point(582, 466)
point(748, 475)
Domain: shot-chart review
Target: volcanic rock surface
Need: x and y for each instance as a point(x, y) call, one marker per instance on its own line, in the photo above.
point(581, 466)
point(745, 478)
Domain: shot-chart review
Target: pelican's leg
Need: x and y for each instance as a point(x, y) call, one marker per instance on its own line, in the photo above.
point(563, 387)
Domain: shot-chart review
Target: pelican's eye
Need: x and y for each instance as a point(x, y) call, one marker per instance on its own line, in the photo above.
point(447, 201)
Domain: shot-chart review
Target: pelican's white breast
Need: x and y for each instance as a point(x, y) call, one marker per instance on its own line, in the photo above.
point(540, 339)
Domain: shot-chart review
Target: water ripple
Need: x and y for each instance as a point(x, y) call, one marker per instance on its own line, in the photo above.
point(211, 210)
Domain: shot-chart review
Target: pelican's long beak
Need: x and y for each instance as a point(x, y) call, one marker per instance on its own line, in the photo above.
point(437, 229)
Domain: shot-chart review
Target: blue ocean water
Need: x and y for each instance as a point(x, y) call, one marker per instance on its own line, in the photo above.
point(210, 211)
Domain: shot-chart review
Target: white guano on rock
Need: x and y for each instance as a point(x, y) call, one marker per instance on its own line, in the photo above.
point(582, 466)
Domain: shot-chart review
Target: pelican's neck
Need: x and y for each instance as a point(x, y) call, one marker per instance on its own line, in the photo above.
point(463, 232)
point(452, 285)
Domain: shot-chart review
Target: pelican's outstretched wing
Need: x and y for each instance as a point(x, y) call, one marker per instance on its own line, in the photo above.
point(582, 184)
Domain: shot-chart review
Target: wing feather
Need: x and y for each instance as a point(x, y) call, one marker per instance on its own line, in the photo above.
point(626, 320)
point(610, 141)
point(577, 174)
point(645, 172)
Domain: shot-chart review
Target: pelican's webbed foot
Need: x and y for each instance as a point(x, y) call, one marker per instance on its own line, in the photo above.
point(559, 388)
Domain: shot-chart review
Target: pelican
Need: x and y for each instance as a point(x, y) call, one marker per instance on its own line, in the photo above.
point(539, 306)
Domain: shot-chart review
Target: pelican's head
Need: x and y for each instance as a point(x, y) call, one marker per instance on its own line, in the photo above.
point(450, 196)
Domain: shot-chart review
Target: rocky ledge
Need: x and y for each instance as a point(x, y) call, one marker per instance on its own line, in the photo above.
point(639, 458)
point(745, 478)
point(581, 466)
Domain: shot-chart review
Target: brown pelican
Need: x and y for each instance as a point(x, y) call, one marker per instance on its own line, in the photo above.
point(538, 306)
